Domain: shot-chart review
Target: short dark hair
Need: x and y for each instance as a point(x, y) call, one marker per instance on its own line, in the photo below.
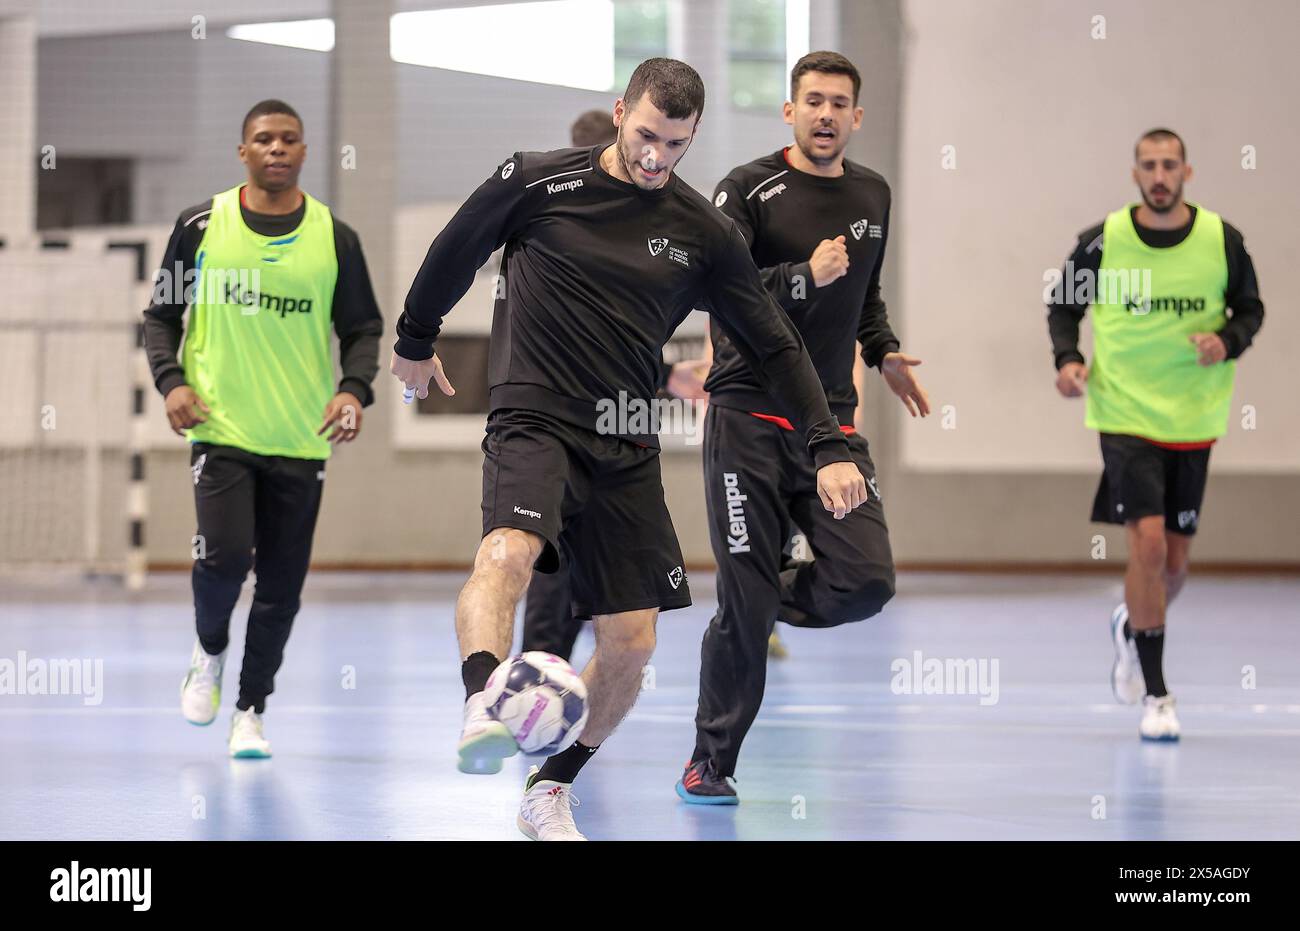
point(674, 87)
point(266, 108)
point(825, 63)
point(593, 128)
point(1158, 134)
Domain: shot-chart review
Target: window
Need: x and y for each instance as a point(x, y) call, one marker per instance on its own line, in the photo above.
point(640, 32)
point(766, 38)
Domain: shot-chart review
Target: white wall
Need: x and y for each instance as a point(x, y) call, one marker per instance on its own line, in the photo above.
point(1043, 118)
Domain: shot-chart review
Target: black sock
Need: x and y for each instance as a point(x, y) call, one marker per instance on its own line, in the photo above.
point(1151, 646)
point(475, 670)
point(565, 765)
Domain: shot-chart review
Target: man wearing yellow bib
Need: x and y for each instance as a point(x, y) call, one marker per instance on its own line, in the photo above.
point(1175, 302)
point(265, 270)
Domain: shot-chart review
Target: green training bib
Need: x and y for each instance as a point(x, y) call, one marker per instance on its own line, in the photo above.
point(1145, 379)
point(257, 349)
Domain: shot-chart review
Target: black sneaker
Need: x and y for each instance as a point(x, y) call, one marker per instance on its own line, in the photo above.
point(701, 785)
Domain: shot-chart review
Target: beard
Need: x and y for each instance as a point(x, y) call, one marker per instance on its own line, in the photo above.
point(1174, 201)
point(627, 159)
point(804, 142)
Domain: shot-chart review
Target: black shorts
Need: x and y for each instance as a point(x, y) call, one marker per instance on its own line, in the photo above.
point(598, 499)
point(1142, 479)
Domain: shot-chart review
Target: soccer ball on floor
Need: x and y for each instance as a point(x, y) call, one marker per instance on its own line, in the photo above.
point(540, 700)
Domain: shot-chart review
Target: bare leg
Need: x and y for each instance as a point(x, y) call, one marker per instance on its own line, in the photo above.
point(1178, 546)
point(1144, 581)
point(624, 644)
point(485, 611)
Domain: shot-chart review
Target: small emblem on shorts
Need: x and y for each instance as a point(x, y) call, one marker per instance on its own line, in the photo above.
point(197, 468)
point(536, 515)
point(875, 488)
point(1186, 519)
point(1119, 509)
point(675, 577)
point(320, 476)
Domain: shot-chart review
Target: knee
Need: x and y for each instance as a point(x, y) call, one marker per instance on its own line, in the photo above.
point(870, 595)
point(224, 559)
point(1149, 551)
point(630, 636)
point(509, 552)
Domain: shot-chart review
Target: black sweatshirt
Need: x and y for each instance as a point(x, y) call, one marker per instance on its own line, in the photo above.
point(355, 313)
point(784, 214)
point(598, 273)
point(1241, 294)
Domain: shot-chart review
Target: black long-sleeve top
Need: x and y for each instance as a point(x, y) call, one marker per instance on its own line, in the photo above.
point(598, 273)
point(1241, 294)
point(355, 313)
point(784, 214)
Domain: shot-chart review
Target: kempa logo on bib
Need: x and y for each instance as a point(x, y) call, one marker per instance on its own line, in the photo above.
point(254, 301)
point(536, 515)
point(737, 528)
point(88, 884)
point(1140, 307)
point(556, 187)
point(772, 192)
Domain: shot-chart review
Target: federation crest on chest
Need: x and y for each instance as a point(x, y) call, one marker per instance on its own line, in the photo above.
point(657, 245)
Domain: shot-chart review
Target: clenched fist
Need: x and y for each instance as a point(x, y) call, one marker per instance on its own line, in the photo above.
point(1072, 379)
point(841, 487)
point(830, 260)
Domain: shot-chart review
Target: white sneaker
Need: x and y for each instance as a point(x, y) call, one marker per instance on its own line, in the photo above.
point(246, 740)
point(201, 688)
point(546, 812)
point(484, 741)
point(1158, 719)
point(1126, 675)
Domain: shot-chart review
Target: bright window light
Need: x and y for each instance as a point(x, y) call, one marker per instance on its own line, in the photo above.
point(798, 32)
point(566, 42)
point(314, 34)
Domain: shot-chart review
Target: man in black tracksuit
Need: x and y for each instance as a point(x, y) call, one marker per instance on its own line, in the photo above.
point(816, 225)
point(607, 251)
point(264, 272)
point(549, 624)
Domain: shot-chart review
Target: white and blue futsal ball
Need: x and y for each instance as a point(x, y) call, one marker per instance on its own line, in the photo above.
point(540, 700)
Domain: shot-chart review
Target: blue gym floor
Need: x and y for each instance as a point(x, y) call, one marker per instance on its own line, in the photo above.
point(835, 752)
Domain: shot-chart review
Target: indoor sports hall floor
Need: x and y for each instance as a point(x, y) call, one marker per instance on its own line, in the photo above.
point(834, 754)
